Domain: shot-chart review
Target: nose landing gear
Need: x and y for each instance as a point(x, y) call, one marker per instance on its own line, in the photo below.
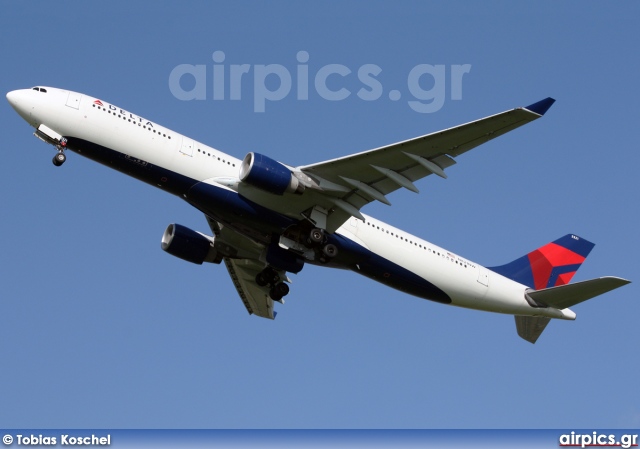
point(47, 135)
point(59, 158)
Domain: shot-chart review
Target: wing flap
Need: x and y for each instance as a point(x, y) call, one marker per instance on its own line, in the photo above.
point(453, 141)
point(255, 298)
point(395, 166)
point(564, 296)
point(243, 269)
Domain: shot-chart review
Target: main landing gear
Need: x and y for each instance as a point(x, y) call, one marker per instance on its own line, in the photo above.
point(270, 277)
point(305, 241)
point(318, 240)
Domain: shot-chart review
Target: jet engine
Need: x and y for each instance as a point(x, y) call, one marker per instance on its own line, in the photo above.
point(264, 173)
point(189, 245)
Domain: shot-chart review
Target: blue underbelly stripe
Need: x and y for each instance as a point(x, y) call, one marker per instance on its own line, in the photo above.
point(256, 221)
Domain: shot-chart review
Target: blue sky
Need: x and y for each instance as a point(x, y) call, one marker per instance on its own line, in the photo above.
point(100, 328)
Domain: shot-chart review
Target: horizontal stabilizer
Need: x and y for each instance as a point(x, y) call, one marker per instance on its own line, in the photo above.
point(530, 327)
point(569, 295)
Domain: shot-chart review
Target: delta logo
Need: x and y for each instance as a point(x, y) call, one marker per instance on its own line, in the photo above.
point(124, 113)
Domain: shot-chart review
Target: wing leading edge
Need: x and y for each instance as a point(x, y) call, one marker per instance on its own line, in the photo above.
point(358, 179)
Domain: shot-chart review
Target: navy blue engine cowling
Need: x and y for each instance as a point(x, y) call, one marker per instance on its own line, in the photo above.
point(264, 173)
point(187, 244)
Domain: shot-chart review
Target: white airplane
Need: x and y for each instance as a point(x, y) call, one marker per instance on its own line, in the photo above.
point(269, 218)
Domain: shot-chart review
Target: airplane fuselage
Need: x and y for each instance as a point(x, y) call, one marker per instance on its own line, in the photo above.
point(208, 179)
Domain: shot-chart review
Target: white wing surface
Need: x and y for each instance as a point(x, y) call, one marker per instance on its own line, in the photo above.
point(356, 180)
point(243, 269)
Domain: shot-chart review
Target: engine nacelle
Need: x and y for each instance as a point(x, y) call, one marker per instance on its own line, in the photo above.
point(189, 245)
point(264, 173)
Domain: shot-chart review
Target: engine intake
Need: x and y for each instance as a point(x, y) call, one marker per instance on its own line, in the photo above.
point(189, 245)
point(264, 173)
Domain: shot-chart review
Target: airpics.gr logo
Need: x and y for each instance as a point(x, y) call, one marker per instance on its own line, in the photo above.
point(332, 82)
point(575, 439)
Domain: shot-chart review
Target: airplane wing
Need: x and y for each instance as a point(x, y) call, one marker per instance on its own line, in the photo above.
point(255, 298)
point(355, 180)
point(244, 267)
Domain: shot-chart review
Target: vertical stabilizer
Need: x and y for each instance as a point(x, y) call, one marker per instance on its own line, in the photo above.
point(550, 265)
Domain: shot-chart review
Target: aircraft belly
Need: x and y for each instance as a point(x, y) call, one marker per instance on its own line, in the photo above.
point(135, 167)
point(394, 275)
point(228, 206)
point(435, 269)
point(370, 247)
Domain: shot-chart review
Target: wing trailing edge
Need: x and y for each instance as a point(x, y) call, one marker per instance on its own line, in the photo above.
point(352, 181)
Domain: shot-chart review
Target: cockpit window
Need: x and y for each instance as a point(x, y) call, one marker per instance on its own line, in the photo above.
point(39, 89)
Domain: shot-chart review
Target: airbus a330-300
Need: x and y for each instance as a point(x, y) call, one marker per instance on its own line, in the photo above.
point(268, 218)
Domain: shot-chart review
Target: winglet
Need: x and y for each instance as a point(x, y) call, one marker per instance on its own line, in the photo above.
point(541, 106)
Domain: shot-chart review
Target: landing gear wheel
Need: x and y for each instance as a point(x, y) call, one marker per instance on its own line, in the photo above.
point(59, 159)
point(279, 291)
point(316, 236)
point(282, 288)
point(272, 276)
point(330, 250)
point(268, 276)
point(261, 279)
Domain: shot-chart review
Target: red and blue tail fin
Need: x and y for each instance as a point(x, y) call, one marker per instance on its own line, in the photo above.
point(550, 265)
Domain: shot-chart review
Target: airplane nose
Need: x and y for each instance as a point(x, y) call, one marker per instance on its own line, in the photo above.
point(12, 98)
point(21, 103)
point(18, 101)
